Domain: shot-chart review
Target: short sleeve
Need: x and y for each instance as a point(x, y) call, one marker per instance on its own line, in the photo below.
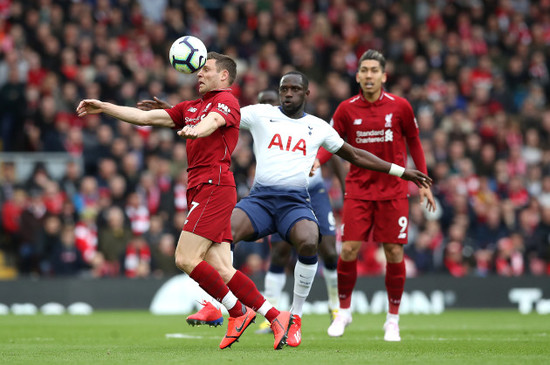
point(332, 142)
point(228, 107)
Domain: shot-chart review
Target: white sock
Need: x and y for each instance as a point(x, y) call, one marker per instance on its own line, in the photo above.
point(303, 280)
point(274, 284)
point(345, 312)
point(265, 308)
point(229, 300)
point(331, 279)
point(392, 318)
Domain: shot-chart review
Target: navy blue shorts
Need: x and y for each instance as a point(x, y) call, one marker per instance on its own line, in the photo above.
point(276, 211)
point(322, 208)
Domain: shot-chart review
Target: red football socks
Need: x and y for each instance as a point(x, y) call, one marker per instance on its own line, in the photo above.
point(210, 280)
point(246, 291)
point(395, 284)
point(347, 277)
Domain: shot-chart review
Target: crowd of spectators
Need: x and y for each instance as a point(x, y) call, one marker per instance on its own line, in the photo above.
point(476, 73)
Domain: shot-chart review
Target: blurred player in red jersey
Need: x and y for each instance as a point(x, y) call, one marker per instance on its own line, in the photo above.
point(374, 202)
point(210, 125)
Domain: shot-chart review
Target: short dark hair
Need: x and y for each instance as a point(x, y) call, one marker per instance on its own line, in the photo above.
point(224, 62)
point(372, 54)
point(267, 92)
point(305, 81)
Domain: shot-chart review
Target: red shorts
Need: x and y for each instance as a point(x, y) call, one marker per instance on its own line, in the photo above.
point(387, 220)
point(210, 208)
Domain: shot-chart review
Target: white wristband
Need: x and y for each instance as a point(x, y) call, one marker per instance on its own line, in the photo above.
point(396, 170)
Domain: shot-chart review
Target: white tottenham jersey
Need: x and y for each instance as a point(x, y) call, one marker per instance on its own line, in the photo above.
point(286, 148)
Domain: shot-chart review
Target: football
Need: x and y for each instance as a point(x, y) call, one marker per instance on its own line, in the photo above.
point(187, 54)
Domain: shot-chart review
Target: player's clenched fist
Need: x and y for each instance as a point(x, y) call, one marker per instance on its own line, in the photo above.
point(188, 132)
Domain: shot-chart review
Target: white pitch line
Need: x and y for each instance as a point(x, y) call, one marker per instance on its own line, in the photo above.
point(188, 337)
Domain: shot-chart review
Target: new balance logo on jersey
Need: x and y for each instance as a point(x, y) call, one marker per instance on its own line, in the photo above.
point(277, 142)
point(388, 135)
point(192, 109)
point(388, 120)
point(358, 121)
point(224, 108)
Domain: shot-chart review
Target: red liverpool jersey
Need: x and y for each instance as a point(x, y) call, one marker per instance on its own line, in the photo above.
point(381, 128)
point(209, 158)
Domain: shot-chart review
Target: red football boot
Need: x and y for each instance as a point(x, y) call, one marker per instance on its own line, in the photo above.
point(295, 332)
point(236, 327)
point(280, 327)
point(208, 314)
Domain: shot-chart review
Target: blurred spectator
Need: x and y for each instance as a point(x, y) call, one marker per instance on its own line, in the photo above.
point(509, 257)
point(66, 259)
point(8, 181)
point(13, 105)
point(49, 240)
point(163, 260)
point(454, 260)
point(112, 241)
point(11, 210)
point(138, 214)
point(30, 226)
point(70, 182)
point(156, 231)
point(137, 259)
point(86, 241)
point(87, 196)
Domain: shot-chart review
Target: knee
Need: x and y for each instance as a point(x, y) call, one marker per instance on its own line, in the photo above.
point(349, 252)
point(304, 236)
point(184, 264)
point(307, 247)
point(394, 252)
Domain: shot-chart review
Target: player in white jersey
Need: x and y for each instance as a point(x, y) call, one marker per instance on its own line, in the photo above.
point(281, 251)
point(286, 141)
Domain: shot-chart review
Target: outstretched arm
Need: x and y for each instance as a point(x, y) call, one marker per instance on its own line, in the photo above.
point(369, 161)
point(204, 128)
point(156, 118)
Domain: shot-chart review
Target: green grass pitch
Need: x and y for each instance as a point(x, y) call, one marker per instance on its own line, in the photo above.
point(137, 337)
